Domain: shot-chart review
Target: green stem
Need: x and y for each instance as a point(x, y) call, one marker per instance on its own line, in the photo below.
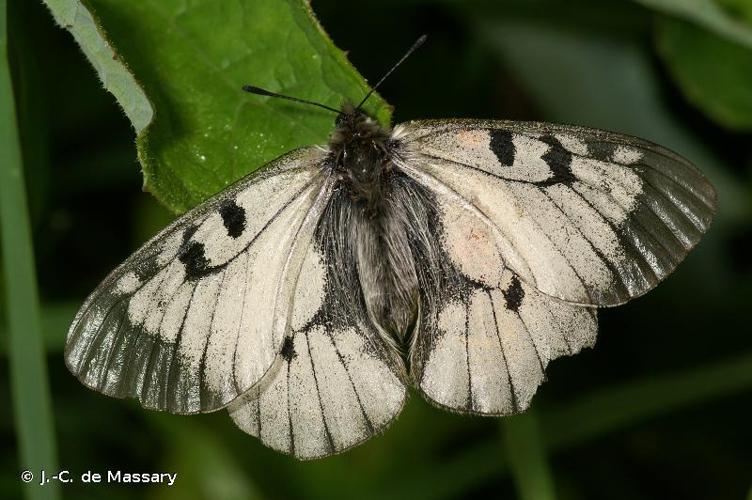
point(28, 372)
point(526, 455)
point(619, 407)
point(56, 318)
point(585, 419)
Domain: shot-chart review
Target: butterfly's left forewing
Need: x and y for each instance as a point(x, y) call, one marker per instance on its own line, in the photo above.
point(198, 315)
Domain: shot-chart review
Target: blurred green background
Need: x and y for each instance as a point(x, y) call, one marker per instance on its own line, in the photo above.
point(661, 408)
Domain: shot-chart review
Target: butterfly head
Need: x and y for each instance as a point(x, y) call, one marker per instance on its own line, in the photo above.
point(360, 148)
point(360, 152)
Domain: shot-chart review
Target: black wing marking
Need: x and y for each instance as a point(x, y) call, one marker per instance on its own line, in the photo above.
point(172, 327)
point(337, 382)
point(583, 215)
point(484, 337)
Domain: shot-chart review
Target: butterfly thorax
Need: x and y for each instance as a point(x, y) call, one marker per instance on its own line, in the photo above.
point(372, 232)
point(360, 150)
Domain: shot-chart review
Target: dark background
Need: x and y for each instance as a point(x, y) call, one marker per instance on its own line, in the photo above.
point(659, 409)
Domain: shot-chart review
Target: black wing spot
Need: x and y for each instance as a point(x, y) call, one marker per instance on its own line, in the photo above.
point(188, 234)
point(603, 151)
point(502, 146)
point(514, 295)
point(233, 217)
point(559, 160)
point(195, 261)
point(288, 350)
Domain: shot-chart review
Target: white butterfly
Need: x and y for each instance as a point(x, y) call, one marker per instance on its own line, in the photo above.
point(457, 257)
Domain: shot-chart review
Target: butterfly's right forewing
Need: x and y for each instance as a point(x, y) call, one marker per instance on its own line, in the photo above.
point(198, 315)
point(485, 337)
point(583, 215)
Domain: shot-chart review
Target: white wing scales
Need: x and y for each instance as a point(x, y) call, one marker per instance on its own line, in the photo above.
point(583, 215)
point(485, 342)
point(335, 385)
point(489, 358)
point(180, 325)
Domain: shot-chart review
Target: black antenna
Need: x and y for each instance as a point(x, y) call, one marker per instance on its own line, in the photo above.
point(412, 49)
point(259, 91)
point(264, 92)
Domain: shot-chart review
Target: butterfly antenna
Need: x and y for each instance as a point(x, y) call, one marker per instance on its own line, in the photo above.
point(259, 91)
point(412, 49)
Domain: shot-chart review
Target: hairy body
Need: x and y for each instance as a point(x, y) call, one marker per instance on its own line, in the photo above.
point(383, 226)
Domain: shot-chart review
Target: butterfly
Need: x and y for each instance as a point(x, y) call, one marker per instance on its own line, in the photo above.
point(455, 257)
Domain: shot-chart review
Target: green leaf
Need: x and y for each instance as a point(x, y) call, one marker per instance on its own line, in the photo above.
point(708, 14)
point(191, 60)
point(714, 73)
point(740, 9)
point(28, 372)
point(74, 17)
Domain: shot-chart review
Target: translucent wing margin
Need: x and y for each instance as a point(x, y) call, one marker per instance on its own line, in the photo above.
point(181, 325)
point(586, 216)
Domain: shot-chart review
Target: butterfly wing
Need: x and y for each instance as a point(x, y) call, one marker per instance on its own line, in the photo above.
point(338, 382)
point(198, 315)
point(539, 223)
point(485, 336)
point(587, 216)
point(486, 351)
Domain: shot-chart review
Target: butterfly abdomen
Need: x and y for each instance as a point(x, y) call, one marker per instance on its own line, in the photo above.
point(387, 267)
point(394, 250)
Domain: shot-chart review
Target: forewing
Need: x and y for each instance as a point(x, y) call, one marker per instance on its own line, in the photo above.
point(485, 337)
point(338, 382)
point(587, 216)
point(198, 315)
